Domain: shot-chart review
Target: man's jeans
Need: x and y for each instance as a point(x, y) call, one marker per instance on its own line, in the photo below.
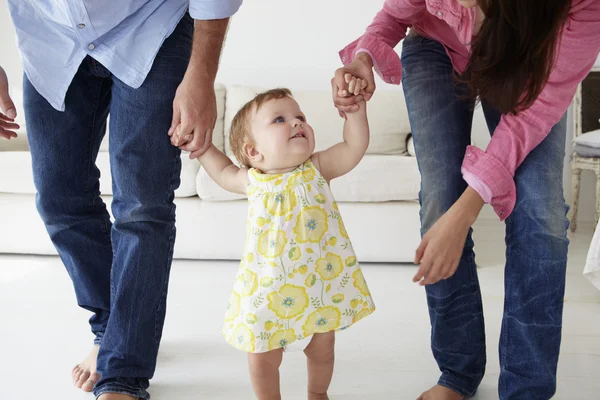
point(536, 240)
point(120, 271)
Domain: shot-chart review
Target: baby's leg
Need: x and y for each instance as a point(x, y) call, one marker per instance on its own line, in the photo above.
point(264, 374)
point(320, 356)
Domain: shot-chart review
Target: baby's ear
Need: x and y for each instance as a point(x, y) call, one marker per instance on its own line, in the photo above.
point(252, 153)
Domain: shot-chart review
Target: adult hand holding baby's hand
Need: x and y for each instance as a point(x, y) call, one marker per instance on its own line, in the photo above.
point(194, 114)
point(8, 111)
point(353, 83)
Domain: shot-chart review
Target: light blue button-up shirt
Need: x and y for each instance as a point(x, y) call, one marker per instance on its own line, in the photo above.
point(54, 36)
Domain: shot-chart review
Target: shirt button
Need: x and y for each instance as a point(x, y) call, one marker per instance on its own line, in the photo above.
point(91, 46)
point(501, 212)
point(440, 14)
point(393, 79)
point(81, 26)
point(343, 59)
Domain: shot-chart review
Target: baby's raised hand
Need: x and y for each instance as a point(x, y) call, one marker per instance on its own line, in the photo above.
point(361, 68)
point(355, 85)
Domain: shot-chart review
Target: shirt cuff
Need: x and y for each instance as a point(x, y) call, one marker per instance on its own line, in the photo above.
point(213, 9)
point(385, 59)
point(494, 175)
point(478, 185)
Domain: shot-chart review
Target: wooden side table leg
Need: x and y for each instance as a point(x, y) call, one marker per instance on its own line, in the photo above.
point(597, 198)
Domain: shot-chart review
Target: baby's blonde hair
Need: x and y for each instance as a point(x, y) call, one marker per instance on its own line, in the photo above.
point(241, 134)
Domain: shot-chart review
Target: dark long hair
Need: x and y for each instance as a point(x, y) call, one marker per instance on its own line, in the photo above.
point(515, 51)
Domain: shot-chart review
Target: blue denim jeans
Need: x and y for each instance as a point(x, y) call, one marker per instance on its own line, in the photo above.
point(120, 270)
point(536, 239)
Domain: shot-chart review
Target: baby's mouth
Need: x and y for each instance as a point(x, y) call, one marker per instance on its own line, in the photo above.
point(299, 135)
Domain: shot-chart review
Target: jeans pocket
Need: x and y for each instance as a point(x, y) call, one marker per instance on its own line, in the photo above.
point(412, 39)
point(174, 54)
point(179, 43)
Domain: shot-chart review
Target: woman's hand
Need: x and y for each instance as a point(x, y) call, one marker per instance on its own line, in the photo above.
point(442, 246)
point(360, 70)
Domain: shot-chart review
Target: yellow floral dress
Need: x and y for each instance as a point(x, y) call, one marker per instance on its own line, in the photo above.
point(299, 274)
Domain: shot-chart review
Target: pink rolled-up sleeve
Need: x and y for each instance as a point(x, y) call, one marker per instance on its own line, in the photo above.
point(517, 135)
point(478, 185)
point(385, 32)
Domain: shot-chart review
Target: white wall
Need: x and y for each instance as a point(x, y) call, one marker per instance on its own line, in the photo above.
point(288, 43)
point(279, 42)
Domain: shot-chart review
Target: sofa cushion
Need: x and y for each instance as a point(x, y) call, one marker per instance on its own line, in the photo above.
point(377, 178)
point(217, 138)
point(388, 118)
point(586, 151)
point(20, 178)
point(589, 139)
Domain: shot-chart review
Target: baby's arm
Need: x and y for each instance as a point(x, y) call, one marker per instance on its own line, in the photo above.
point(341, 158)
point(226, 174)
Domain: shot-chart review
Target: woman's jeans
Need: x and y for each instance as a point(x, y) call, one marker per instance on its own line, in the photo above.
point(536, 238)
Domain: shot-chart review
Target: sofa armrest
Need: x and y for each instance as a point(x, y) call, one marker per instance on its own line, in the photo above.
point(17, 144)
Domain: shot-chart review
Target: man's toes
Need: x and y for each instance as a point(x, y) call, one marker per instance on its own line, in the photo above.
point(82, 378)
point(88, 385)
point(77, 376)
point(75, 373)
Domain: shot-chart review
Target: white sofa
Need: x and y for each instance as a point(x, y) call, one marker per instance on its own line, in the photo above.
point(378, 199)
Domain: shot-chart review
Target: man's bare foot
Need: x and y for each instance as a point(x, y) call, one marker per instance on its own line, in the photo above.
point(84, 374)
point(314, 396)
point(116, 396)
point(440, 393)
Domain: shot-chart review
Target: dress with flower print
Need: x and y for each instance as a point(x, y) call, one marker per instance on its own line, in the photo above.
point(299, 274)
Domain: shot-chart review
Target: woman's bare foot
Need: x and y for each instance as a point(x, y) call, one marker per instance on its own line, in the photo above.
point(84, 374)
point(116, 396)
point(440, 393)
point(313, 396)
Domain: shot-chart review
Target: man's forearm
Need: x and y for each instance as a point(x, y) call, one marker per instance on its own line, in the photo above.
point(206, 48)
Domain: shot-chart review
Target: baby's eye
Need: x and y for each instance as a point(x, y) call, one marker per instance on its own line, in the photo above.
point(279, 120)
point(301, 118)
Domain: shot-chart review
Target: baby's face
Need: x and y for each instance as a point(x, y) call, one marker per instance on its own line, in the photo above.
point(281, 135)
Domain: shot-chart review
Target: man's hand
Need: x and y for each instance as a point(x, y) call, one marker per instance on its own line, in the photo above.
point(8, 110)
point(346, 98)
point(194, 114)
point(195, 106)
